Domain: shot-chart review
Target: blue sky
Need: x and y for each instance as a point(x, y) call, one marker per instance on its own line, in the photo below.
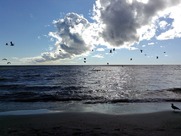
point(66, 32)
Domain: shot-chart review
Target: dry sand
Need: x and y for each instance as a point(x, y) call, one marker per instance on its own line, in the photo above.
point(92, 124)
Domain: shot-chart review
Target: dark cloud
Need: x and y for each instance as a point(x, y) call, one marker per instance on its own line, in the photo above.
point(122, 19)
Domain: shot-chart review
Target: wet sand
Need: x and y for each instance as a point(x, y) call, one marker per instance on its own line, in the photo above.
point(166, 123)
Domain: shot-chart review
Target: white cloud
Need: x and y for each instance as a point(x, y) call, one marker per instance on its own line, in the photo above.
point(163, 25)
point(132, 48)
point(72, 37)
point(147, 32)
point(170, 34)
point(151, 43)
point(175, 29)
point(100, 49)
point(98, 56)
point(162, 46)
point(143, 1)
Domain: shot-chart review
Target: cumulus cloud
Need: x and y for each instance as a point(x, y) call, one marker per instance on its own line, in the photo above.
point(125, 22)
point(118, 23)
point(72, 38)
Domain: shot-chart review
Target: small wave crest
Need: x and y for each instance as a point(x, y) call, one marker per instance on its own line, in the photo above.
point(7, 79)
point(39, 93)
point(45, 96)
point(175, 90)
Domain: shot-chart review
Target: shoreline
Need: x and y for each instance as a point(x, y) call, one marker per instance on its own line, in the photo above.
point(91, 123)
point(115, 109)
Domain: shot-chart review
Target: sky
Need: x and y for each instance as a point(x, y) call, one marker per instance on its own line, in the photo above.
point(86, 32)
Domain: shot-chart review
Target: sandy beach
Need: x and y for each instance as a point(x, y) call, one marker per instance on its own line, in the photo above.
point(92, 124)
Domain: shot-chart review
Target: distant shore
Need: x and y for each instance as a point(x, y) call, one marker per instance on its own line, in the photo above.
point(90, 124)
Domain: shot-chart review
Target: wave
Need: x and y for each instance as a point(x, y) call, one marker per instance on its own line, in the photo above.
point(41, 88)
point(30, 96)
point(133, 100)
point(175, 90)
point(7, 79)
point(2, 78)
point(22, 87)
point(44, 97)
point(34, 97)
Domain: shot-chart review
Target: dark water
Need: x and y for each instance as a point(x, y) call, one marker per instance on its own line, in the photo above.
point(88, 84)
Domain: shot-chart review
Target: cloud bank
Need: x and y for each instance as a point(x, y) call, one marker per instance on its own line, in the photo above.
point(117, 23)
